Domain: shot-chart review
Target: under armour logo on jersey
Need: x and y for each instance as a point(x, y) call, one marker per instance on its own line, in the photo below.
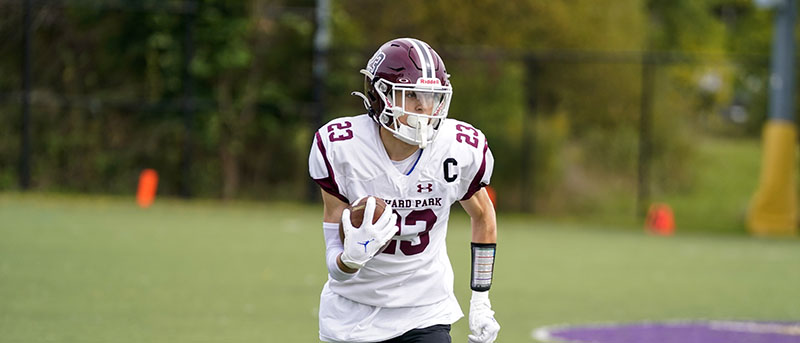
point(421, 188)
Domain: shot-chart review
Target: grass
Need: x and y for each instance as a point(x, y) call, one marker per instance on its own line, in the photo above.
point(99, 269)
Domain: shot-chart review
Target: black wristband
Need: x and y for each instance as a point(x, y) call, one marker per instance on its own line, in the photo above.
point(482, 266)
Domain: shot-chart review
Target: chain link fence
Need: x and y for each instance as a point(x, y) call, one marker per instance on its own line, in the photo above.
point(91, 93)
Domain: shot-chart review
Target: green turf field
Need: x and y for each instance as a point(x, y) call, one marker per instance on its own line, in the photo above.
point(99, 269)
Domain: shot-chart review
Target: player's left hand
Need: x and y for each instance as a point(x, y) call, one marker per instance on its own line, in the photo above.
point(482, 324)
point(361, 244)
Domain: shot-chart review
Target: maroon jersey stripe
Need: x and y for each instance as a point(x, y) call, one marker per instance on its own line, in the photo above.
point(476, 182)
point(328, 184)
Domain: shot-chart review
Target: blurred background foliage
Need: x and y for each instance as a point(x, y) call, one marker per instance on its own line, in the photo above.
point(556, 86)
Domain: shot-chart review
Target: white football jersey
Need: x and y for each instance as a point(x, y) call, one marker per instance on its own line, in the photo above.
point(348, 160)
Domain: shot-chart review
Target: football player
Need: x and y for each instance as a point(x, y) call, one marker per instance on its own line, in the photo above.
point(405, 151)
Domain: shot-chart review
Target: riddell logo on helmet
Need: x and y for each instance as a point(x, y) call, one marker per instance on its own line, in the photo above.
point(429, 82)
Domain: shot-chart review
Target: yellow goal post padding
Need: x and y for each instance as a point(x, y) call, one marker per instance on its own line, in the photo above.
point(773, 208)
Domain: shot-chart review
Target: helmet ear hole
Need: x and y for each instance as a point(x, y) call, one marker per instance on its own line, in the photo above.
point(385, 119)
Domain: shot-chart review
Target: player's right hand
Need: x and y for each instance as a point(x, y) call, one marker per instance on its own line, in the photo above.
point(362, 243)
point(484, 328)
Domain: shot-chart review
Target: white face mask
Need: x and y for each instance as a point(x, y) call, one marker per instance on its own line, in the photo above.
point(418, 128)
point(422, 128)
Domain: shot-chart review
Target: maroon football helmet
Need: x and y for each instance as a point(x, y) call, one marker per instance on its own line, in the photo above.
point(406, 90)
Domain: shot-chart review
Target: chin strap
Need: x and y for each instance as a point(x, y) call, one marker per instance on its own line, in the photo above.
point(422, 132)
point(421, 127)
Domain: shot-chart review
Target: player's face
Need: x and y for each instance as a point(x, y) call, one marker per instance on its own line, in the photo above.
point(416, 102)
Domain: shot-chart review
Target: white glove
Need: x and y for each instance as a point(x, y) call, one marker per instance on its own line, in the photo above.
point(361, 244)
point(481, 319)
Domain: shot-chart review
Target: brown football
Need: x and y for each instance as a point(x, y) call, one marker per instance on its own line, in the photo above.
point(357, 214)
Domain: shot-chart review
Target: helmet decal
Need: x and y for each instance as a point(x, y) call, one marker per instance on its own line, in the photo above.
point(424, 56)
point(375, 61)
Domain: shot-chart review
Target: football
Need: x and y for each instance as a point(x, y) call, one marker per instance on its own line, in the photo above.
point(357, 214)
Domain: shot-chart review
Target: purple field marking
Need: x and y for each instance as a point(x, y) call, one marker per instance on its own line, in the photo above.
point(674, 332)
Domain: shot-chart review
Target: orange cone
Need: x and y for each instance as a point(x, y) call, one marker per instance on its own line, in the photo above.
point(660, 220)
point(148, 184)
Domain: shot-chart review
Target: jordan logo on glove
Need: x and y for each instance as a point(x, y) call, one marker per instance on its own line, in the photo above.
point(379, 231)
point(364, 243)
